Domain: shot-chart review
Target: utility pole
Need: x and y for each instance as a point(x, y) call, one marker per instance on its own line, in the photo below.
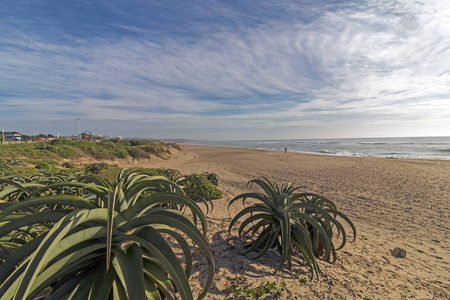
point(3, 132)
point(79, 127)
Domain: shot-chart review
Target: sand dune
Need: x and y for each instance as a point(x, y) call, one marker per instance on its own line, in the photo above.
point(393, 203)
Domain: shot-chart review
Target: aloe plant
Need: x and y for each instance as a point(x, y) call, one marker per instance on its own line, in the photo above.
point(13, 188)
point(14, 162)
point(290, 222)
point(95, 168)
point(107, 244)
point(170, 174)
point(50, 176)
point(331, 228)
point(69, 165)
point(16, 189)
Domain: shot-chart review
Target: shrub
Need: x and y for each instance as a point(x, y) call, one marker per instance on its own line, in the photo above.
point(47, 165)
point(201, 183)
point(67, 148)
point(212, 178)
point(138, 153)
point(64, 151)
point(175, 145)
point(264, 289)
point(156, 148)
point(137, 143)
point(108, 145)
point(65, 142)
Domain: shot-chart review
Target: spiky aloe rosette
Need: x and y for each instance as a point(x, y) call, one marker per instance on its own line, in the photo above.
point(297, 225)
point(106, 243)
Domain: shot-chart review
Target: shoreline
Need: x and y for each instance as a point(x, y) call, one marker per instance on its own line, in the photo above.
point(393, 203)
point(334, 152)
point(324, 154)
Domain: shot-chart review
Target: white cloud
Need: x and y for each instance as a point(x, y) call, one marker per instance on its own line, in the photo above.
point(381, 60)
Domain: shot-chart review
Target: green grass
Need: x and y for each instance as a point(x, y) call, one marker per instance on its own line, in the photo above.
point(28, 150)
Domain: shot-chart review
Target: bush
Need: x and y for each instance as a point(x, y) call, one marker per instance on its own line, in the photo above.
point(64, 151)
point(63, 142)
point(175, 145)
point(47, 165)
point(137, 143)
point(67, 148)
point(108, 145)
point(212, 178)
point(138, 153)
point(201, 183)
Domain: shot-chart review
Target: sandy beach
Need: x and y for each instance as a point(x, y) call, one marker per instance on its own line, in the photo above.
point(393, 203)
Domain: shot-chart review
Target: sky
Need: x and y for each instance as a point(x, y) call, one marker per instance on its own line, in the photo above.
point(226, 70)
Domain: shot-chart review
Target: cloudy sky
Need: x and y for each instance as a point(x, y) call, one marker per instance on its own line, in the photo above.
point(226, 70)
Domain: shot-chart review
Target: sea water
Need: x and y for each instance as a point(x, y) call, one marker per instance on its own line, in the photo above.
point(402, 147)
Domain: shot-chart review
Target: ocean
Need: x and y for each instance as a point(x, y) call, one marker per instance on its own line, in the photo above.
point(403, 147)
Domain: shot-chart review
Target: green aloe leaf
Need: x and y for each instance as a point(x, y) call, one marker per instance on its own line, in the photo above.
point(128, 265)
point(48, 200)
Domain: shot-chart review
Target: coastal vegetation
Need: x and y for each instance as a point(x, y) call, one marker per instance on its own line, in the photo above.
point(240, 292)
point(93, 237)
point(300, 226)
point(72, 149)
point(70, 230)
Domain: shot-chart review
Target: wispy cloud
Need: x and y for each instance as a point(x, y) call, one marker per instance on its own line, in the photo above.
point(223, 67)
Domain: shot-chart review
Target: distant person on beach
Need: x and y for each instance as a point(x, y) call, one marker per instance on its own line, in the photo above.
point(285, 150)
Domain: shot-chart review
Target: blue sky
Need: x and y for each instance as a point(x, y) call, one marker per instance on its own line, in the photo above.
point(226, 70)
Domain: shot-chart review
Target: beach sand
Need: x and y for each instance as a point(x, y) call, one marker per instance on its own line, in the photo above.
point(392, 202)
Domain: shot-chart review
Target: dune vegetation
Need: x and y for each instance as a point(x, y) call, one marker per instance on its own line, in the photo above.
point(73, 149)
point(95, 231)
point(298, 225)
